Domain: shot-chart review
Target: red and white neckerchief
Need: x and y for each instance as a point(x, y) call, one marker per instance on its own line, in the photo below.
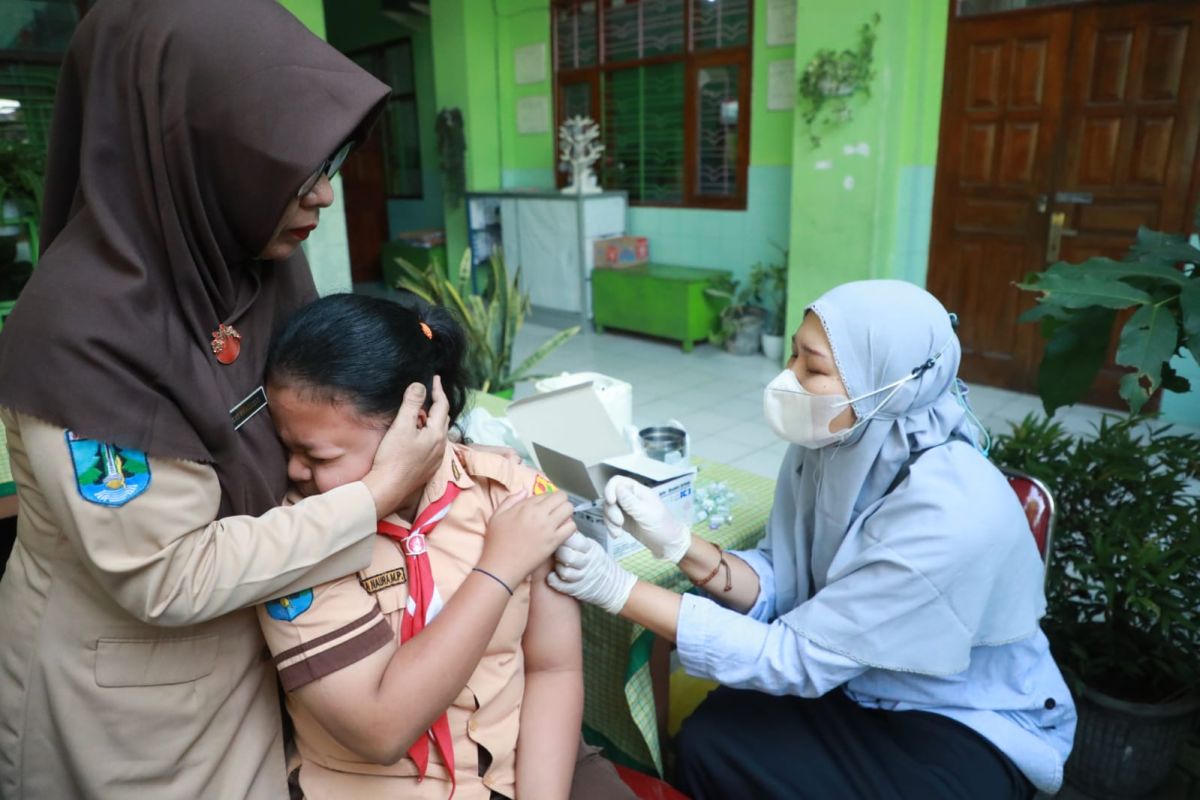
point(424, 603)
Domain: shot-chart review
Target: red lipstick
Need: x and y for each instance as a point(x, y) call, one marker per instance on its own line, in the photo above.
point(302, 233)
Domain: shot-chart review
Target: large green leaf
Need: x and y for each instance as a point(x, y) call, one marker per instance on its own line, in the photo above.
point(1071, 286)
point(1075, 350)
point(522, 372)
point(1163, 248)
point(1189, 306)
point(1133, 392)
point(1125, 270)
point(1043, 311)
point(1148, 340)
point(463, 277)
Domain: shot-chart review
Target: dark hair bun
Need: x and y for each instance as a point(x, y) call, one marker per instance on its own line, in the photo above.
point(369, 350)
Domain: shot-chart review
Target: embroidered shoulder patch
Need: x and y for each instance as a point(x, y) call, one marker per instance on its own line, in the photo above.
point(384, 580)
point(542, 485)
point(106, 474)
point(290, 607)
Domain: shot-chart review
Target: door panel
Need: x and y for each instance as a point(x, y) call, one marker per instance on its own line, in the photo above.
point(1088, 112)
point(1130, 135)
point(1000, 118)
point(366, 207)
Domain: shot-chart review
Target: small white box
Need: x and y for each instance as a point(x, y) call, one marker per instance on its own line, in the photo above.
point(578, 448)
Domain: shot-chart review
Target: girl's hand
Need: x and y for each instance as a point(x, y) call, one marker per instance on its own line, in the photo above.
point(584, 571)
point(411, 450)
point(524, 532)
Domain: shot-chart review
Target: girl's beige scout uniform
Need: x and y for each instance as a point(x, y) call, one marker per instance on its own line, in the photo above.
point(129, 645)
point(353, 617)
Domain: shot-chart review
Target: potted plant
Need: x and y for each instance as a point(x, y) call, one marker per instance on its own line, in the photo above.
point(831, 78)
point(768, 288)
point(739, 327)
point(1078, 305)
point(1123, 615)
point(491, 319)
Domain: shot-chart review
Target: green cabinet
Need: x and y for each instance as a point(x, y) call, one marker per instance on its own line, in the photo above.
point(657, 300)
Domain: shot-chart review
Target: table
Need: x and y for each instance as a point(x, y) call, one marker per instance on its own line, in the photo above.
point(619, 710)
point(657, 300)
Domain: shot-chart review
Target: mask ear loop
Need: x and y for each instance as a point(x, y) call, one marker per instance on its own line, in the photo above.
point(895, 386)
point(983, 437)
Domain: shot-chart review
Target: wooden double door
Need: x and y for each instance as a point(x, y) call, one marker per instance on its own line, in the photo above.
point(1062, 131)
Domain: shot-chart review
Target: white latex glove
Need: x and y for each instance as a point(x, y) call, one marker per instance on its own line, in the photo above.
point(584, 571)
point(630, 506)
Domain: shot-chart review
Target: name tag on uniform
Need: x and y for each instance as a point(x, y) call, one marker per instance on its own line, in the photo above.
point(384, 580)
point(255, 402)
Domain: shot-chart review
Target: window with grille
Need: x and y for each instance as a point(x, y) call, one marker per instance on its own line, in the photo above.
point(669, 83)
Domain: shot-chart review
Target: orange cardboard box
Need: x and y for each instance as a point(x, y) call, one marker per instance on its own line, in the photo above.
point(615, 252)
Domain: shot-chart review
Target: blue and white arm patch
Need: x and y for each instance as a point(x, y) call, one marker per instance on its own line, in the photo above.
point(107, 474)
point(288, 608)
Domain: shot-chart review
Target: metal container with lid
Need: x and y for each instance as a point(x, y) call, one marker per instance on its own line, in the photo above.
point(666, 443)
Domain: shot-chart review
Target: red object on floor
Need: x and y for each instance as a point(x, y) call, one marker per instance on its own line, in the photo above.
point(647, 787)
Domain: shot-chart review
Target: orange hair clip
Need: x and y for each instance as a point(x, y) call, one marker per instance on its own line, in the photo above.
point(425, 329)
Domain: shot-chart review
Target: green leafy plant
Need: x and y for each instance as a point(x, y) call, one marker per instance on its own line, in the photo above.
point(738, 309)
point(491, 319)
point(22, 167)
point(1124, 574)
point(768, 290)
point(1079, 304)
point(831, 78)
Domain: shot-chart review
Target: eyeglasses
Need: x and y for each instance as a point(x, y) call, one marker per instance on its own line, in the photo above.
point(328, 168)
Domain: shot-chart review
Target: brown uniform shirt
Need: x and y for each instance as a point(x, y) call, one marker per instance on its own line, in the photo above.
point(131, 663)
point(348, 619)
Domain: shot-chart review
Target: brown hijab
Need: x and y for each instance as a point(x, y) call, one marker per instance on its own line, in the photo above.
point(182, 131)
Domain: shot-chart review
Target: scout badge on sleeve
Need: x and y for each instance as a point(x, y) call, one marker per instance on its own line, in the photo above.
point(542, 485)
point(106, 474)
point(288, 608)
point(424, 603)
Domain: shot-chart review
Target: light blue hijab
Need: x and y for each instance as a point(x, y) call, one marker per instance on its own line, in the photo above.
point(911, 579)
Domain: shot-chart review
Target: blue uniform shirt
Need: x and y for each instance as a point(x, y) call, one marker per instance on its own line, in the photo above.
point(1013, 694)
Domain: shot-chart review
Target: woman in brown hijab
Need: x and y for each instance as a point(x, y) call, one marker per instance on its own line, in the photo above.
point(189, 157)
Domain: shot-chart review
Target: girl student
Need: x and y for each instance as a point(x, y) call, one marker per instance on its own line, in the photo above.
point(447, 666)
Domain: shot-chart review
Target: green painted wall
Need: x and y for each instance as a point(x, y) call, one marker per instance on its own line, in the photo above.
point(327, 249)
point(861, 202)
point(310, 12)
point(527, 159)
point(464, 64)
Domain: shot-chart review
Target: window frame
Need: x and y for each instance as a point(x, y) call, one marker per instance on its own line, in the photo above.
point(741, 56)
point(377, 51)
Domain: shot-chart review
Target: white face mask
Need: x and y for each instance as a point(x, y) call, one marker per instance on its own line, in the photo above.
point(798, 416)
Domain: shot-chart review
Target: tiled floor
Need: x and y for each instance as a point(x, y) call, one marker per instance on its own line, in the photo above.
point(718, 396)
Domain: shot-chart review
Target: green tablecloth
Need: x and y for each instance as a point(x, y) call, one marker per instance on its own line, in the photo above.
point(618, 705)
